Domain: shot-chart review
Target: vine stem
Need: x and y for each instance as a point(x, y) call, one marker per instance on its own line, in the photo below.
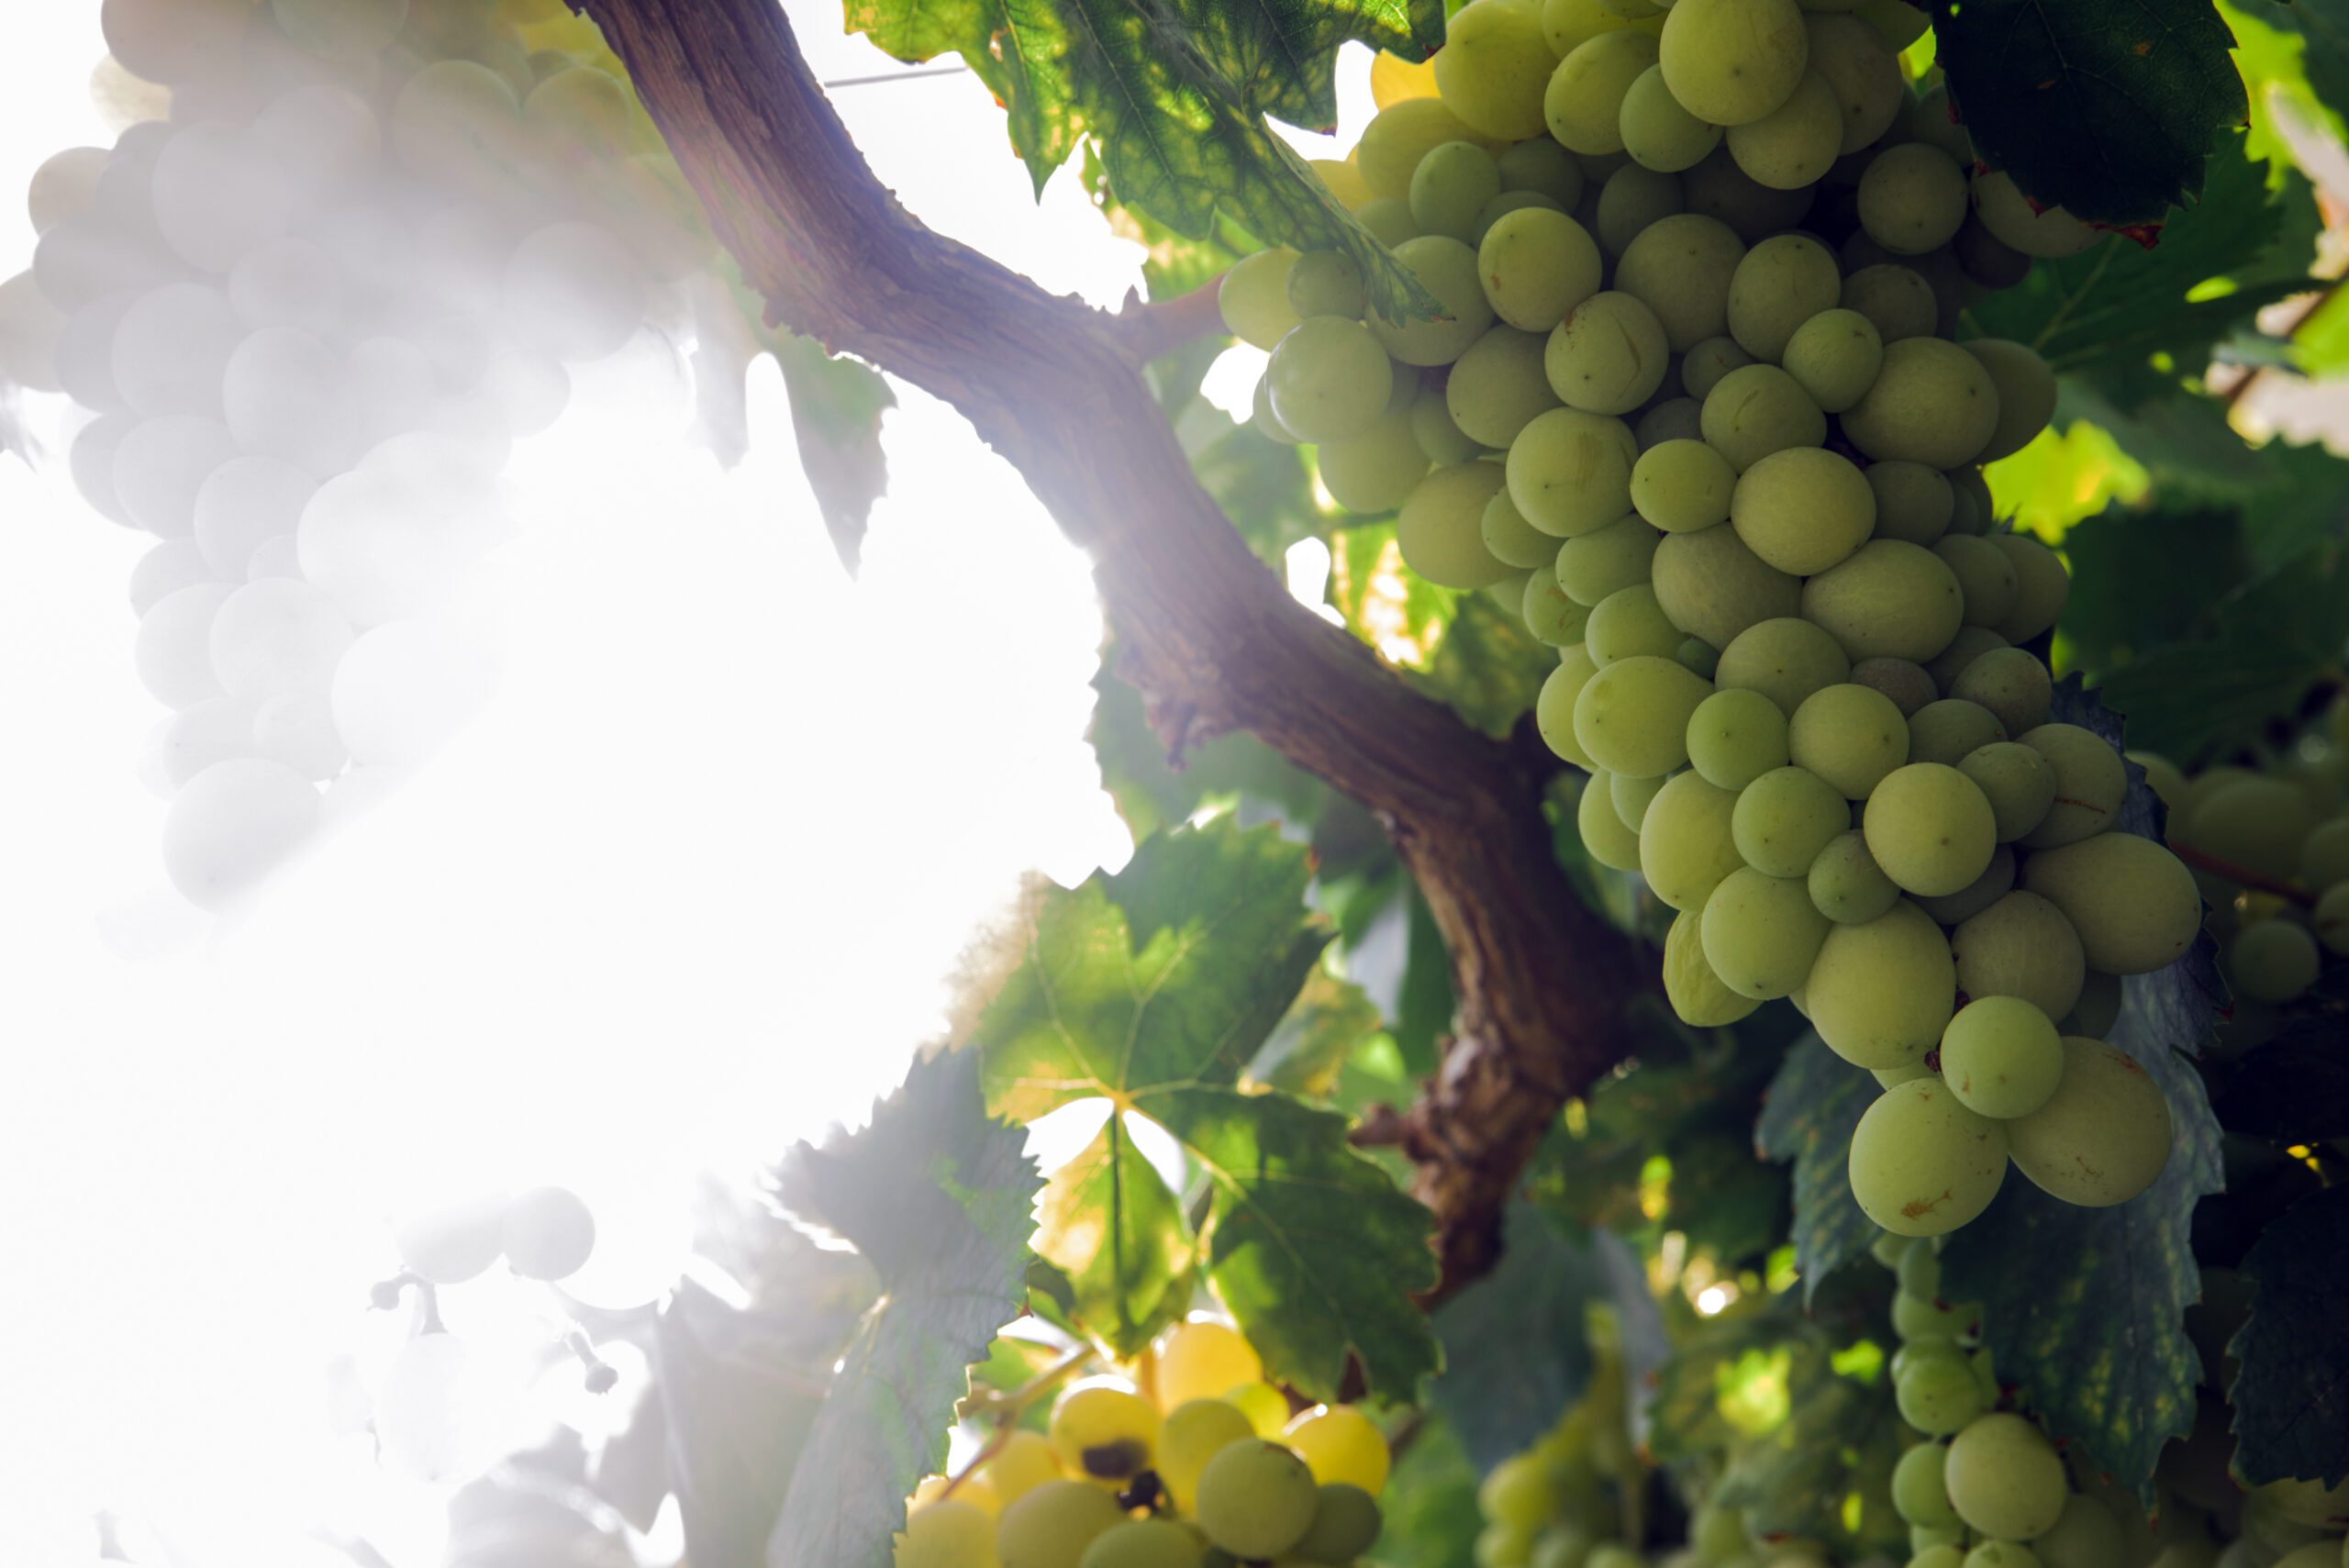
point(2258, 882)
point(1206, 633)
point(1006, 1420)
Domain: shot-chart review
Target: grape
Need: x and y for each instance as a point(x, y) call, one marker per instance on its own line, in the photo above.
point(1498, 387)
point(1864, 73)
point(1698, 996)
point(1850, 736)
point(31, 334)
point(1794, 145)
point(1518, 1493)
point(1887, 600)
point(1540, 167)
point(1758, 410)
point(1346, 1525)
point(159, 465)
point(216, 198)
point(1104, 1431)
point(1537, 265)
point(454, 1242)
point(1439, 438)
point(1716, 1534)
point(1024, 1462)
point(2258, 824)
point(1200, 1359)
point(2001, 1057)
point(1553, 616)
point(1762, 933)
point(64, 186)
point(1786, 658)
point(1453, 182)
point(1985, 576)
point(1609, 355)
point(1703, 366)
point(1632, 201)
point(173, 649)
point(1632, 716)
point(340, 30)
point(1440, 531)
point(1196, 1431)
point(1604, 836)
point(1341, 1444)
point(1929, 828)
point(1952, 730)
point(2104, 1134)
point(1628, 622)
point(548, 1233)
point(1673, 419)
point(1928, 1325)
point(1882, 990)
point(1937, 1394)
point(1970, 643)
point(276, 638)
point(1835, 356)
point(2009, 683)
point(1330, 379)
point(1255, 1499)
point(1376, 469)
point(1389, 221)
point(1932, 402)
point(1781, 284)
point(1657, 132)
point(1732, 61)
point(1715, 589)
point(2325, 856)
point(1447, 269)
point(2088, 1536)
point(1847, 886)
point(1896, 298)
point(1785, 818)
point(1052, 1524)
point(1682, 486)
point(234, 824)
point(1503, 1546)
point(1570, 473)
point(286, 395)
point(1686, 842)
point(2026, 389)
point(1919, 1494)
point(1144, 1543)
point(2307, 1503)
point(287, 283)
point(2089, 785)
point(1913, 503)
point(169, 349)
point(1553, 709)
point(2041, 587)
point(1735, 737)
point(1911, 198)
point(1802, 510)
point(1591, 567)
point(948, 1533)
point(1584, 101)
point(1493, 69)
point(1997, 879)
point(2005, 1479)
point(388, 538)
point(2018, 781)
point(1922, 1165)
point(1680, 267)
point(1324, 283)
point(1718, 189)
point(1501, 206)
point(1910, 689)
point(1399, 136)
point(2273, 961)
point(2007, 213)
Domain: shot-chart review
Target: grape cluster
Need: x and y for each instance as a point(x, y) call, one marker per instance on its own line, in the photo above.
point(1210, 1470)
point(1557, 1504)
point(300, 323)
point(1693, 410)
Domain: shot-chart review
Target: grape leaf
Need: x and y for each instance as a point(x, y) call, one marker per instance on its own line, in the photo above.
point(2142, 580)
point(939, 1198)
point(1808, 1117)
point(2293, 1088)
point(2323, 26)
point(1152, 795)
point(2106, 107)
point(1487, 667)
point(1330, 1020)
point(1433, 1519)
point(2291, 1397)
point(1175, 92)
point(1109, 1223)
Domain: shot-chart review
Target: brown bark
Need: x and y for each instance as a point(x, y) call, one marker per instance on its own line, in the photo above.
point(1210, 636)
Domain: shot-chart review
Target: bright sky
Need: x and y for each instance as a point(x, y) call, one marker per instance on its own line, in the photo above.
point(685, 892)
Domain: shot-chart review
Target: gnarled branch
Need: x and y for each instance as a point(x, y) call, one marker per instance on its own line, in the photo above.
point(1210, 633)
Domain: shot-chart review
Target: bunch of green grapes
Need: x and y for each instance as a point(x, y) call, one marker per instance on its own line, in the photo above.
point(1195, 1462)
point(1693, 409)
point(1557, 1504)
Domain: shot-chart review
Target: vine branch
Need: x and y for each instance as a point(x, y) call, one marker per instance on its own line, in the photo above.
point(1209, 634)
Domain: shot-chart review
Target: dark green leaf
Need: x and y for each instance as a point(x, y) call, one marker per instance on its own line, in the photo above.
point(2291, 1398)
point(1808, 1117)
point(1488, 666)
point(1112, 1226)
point(2143, 580)
point(1430, 1504)
point(2324, 25)
point(1328, 1022)
point(2294, 1089)
point(2103, 107)
point(1153, 795)
point(1281, 52)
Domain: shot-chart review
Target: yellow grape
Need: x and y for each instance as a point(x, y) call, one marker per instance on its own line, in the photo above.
point(1201, 1360)
point(1104, 1431)
point(1340, 1443)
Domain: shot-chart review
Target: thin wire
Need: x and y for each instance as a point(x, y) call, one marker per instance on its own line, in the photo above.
point(896, 76)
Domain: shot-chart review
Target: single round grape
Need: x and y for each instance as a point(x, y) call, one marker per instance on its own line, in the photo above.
point(1897, 299)
point(2026, 388)
point(1518, 1492)
point(1702, 367)
point(1912, 199)
point(1399, 136)
point(548, 1233)
point(1687, 841)
point(2272, 962)
point(948, 1533)
point(1786, 658)
point(1793, 146)
point(1937, 1394)
point(1025, 1461)
point(1698, 996)
point(1985, 576)
point(1346, 1522)
point(1325, 282)
point(1500, 386)
point(1785, 818)
point(2090, 784)
point(1998, 880)
point(1848, 735)
point(1931, 402)
point(1888, 599)
point(2011, 684)
point(1377, 468)
point(1802, 510)
point(1736, 736)
point(1717, 188)
point(1253, 297)
point(1930, 1325)
point(1863, 72)
point(1609, 355)
point(1144, 1543)
point(1758, 410)
point(1834, 355)
point(170, 348)
point(1952, 730)
point(1657, 132)
point(1909, 687)
point(1341, 1444)
point(1732, 61)
point(1513, 540)
point(1535, 266)
point(2021, 946)
point(1918, 1495)
point(1715, 589)
point(1673, 419)
point(1913, 503)
point(218, 731)
point(2005, 1480)
point(2086, 1536)
point(1440, 531)
point(1553, 709)
point(1762, 933)
point(1882, 990)
point(1632, 716)
point(2324, 854)
point(1631, 797)
point(1629, 622)
point(1194, 1432)
point(1104, 1431)
point(1782, 283)
point(1330, 379)
point(1930, 829)
point(2104, 1134)
point(1601, 829)
point(1389, 221)
point(1922, 1165)
point(1570, 473)
point(2256, 823)
point(1494, 67)
point(2001, 1057)
point(1682, 486)
point(1680, 267)
point(2006, 211)
point(2018, 781)
point(1453, 182)
point(1970, 643)
point(1447, 269)
point(1051, 1525)
point(234, 824)
point(1583, 104)
point(2042, 587)
point(1255, 1499)
point(1502, 1546)
point(1553, 616)
point(1847, 886)
point(1632, 201)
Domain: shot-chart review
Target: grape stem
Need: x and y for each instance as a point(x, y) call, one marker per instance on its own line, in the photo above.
point(2258, 882)
point(1204, 629)
point(1007, 1419)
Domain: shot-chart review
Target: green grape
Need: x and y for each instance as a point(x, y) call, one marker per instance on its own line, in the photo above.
point(1025, 1461)
point(1671, 419)
point(1330, 379)
point(1786, 658)
point(1835, 356)
point(1985, 576)
point(2088, 1536)
point(1553, 615)
point(1682, 486)
point(1510, 592)
point(1847, 886)
point(1608, 356)
point(1601, 829)
point(1923, 1539)
point(2018, 781)
point(1937, 1395)
point(1969, 643)
point(1570, 473)
point(1761, 933)
point(2005, 1480)
point(2324, 854)
point(1889, 1249)
point(1104, 1432)
point(1910, 689)
point(1929, 828)
point(2050, 232)
point(1543, 167)
point(2001, 1057)
point(1918, 1495)
point(1926, 1323)
point(1781, 284)
point(1389, 221)
point(1503, 1546)
point(1401, 134)
point(1341, 1443)
point(1703, 366)
point(1757, 410)
point(1493, 67)
point(1583, 103)
point(2001, 1554)
point(1882, 992)
point(1698, 996)
point(1255, 1499)
point(1850, 736)
point(1377, 468)
point(1715, 589)
point(1444, 442)
point(1518, 1493)
point(2309, 1503)
point(1736, 736)
point(1253, 297)
point(948, 1534)
point(2011, 684)
point(1592, 566)
point(1952, 730)
point(1629, 622)
point(548, 1233)
point(1501, 206)
point(1998, 880)
point(1887, 600)
point(1325, 282)
point(2273, 961)
point(1716, 1534)
point(1513, 540)
point(1196, 1431)
point(1631, 797)
point(2026, 394)
point(1936, 124)
point(1913, 503)
point(1972, 487)
point(1567, 23)
point(1794, 145)
point(1686, 843)
point(1680, 267)
point(1785, 818)
point(1698, 656)
point(1144, 1543)
point(1452, 183)
point(1732, 61)
point(1932, 402)
point(1447, 268)
point(1922, 1165)
point(1896, 298)
point(1718, 189)
point(1342, 180)
point(1632, 201)
point(1802, 510)
point(1346, 1522)
point(2258, 824)
point(1911, 199)
point(1440, 530)
point(1498, 387)
point(2090, 784)
point(1657, 132)
point(1632, 716)
point(1267, 422)
point(1553, 709)
point(2041, 587)
point(1865, 74)
point(1051, 1525)
point(1536, 265)
point(2102, 1137)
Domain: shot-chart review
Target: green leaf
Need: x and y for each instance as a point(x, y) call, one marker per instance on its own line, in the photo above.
point(836, 409)
point(1330, 1020)
point(1430, 1502)
point(1487, 667)
point(1111, 1225)
point(2324, 28)
point(1312, 1246)
point(1175, 95)
point(2103, 107)
point(1154, 795)
point(940, 1199)
point(1516, 1345)
point(2291, 1398)
point(1808, 1117)
point(2142, 581)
